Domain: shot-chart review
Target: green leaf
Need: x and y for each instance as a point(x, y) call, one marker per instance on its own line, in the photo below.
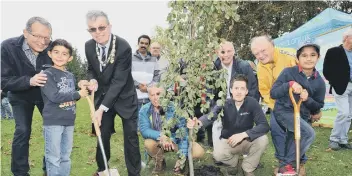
point(221, 93)
point(219, 103)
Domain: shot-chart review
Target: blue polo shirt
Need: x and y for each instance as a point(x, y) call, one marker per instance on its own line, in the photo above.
point(349, 57)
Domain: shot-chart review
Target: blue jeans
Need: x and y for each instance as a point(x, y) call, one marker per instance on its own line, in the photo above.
point(342, 122)
point(278, 135)
point(286, 120)
point(58, 148)
point(6, 109)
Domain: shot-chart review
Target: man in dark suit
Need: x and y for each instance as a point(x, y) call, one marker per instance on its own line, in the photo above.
point(22, 60)
point(338, 71)
point(109, 71)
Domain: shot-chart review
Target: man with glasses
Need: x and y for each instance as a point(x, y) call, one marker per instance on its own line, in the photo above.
point(109, 70)
point(22, 60)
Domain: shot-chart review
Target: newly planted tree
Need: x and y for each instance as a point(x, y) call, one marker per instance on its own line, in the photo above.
point(189, 44)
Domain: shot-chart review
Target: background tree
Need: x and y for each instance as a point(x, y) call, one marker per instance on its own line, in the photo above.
point(77, 66)
point(273, 18)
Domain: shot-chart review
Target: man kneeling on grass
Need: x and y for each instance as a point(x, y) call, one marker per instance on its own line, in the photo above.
point(239, 135)
point(151, 117)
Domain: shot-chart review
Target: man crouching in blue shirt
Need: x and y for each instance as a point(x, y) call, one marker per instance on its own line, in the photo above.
point(151, 119)
point(308, 85)
point(239, 135)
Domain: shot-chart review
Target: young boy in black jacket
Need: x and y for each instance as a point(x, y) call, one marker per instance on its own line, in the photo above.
point(59, 113)
point(308, 85)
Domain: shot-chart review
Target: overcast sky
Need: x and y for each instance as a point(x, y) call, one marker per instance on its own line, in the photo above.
point(129, 19)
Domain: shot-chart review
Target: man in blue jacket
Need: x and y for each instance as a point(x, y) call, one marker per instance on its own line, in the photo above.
point(22, 60)
point(151, 120)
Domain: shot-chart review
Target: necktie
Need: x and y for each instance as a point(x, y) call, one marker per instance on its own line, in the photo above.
point(103, 56)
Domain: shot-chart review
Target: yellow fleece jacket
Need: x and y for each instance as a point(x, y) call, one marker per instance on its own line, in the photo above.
point(268, 73)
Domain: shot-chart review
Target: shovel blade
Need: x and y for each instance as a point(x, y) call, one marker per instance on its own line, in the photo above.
point(113, 172)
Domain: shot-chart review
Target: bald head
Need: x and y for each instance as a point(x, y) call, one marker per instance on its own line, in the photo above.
point(155, 49)
point(226, 53)
point(262, 48)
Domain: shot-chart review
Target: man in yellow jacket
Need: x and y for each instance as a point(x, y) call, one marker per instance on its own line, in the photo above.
point(272, 60)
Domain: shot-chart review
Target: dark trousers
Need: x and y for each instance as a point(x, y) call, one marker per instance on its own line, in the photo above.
point(279, 137)
point(23, 114)
point(201, 131)
point(131, 142)
point(286, 120)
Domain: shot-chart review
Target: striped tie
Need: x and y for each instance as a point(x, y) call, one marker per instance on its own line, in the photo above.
point(103, 56)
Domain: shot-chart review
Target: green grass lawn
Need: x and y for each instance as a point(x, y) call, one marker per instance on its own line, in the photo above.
point(321, 163)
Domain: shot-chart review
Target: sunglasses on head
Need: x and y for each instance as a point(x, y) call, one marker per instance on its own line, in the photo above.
point(100, 28)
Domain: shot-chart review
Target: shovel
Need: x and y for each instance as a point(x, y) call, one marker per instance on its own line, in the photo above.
point(107, 172)
point(297, 127)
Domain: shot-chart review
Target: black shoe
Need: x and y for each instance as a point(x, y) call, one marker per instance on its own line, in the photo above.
point(346, 146)
point(334, 145)
point(218, 163)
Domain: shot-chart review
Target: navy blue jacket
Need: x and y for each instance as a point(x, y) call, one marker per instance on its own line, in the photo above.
point(17, 70)
point(315, 86)
point(236, 121)
point(241, 67)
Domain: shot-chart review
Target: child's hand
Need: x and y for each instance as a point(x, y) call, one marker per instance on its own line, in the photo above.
point(83, 83)
point(304, 95)
point(93, 85)
point(297, 88)
point(83, 92)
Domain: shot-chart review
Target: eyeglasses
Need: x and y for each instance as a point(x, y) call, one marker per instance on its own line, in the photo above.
point(100, 28)
point(38, 37)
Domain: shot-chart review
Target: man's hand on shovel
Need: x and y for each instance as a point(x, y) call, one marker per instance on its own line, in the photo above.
point(98, 115)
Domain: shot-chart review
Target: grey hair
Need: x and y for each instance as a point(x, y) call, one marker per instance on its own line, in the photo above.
point(346, 34)
point(94, 14)
point(39, 20)
point(266, 37)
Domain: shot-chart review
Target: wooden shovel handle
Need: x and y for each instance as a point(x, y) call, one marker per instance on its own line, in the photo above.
point(90, 100)
point(296, 106)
